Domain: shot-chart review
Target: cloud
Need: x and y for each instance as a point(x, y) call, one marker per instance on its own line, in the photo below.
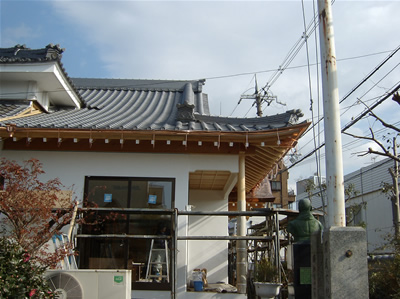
point(14, 35)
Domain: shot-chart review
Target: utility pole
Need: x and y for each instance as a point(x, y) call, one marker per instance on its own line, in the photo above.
point(259, 99)
point(395, 198)
point(333, 139)
point(339, 255)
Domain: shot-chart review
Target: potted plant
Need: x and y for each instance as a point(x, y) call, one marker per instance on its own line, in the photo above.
point(266, 279)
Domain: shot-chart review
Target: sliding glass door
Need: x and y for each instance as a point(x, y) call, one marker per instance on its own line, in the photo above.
point(122, 239)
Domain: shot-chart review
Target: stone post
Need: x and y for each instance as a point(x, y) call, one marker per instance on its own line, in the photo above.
point(341, 260)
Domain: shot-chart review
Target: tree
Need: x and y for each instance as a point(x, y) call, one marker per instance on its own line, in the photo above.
point(350, 192)
point(32, 211)
point(389, 144)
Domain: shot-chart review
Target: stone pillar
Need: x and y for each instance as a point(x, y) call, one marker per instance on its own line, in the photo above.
point(344, 268)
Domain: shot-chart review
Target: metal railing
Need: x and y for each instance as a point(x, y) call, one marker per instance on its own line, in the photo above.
point(175, 213)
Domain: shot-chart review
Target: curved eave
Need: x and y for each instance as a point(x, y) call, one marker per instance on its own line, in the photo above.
point(263, 148)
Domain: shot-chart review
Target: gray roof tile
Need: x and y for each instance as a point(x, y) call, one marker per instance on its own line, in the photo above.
point(13, 108)
point(20, 53)
point(144, 105)
point(132, 104)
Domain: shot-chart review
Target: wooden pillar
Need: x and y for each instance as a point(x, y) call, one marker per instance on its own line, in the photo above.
point(241, 245)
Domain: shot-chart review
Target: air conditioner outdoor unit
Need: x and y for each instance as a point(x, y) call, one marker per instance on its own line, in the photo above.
point(90, 284)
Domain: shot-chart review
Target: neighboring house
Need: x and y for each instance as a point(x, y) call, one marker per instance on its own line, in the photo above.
point(150, 147)
point(368, 206)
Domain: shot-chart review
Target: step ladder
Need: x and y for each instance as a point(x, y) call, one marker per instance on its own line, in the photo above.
point(60, 243)
point(152, 265)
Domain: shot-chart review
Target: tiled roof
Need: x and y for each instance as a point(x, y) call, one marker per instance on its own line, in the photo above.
point(148, 105)
point(20, 53)
point(134, 104)
point(132, 84)
point(12, 108)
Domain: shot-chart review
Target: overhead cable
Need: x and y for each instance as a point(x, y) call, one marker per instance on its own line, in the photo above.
point(350, 124)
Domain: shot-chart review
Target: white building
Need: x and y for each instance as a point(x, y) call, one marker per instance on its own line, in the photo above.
point(367, 206)
point(150, 147)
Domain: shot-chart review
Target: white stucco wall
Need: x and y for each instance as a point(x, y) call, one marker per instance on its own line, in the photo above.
point(72, 167)
point(212, 255)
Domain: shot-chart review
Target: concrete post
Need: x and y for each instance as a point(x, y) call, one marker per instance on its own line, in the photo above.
point(344, 270)
point(241, 245)
point(333, 140)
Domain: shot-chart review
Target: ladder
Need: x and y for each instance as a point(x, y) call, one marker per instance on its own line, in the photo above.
point(59, 242)
point(159, 263)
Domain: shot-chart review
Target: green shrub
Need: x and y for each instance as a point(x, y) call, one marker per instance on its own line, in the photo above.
point(20, 276)
point(384, 277)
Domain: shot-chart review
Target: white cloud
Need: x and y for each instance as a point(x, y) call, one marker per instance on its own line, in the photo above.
point(13, 35)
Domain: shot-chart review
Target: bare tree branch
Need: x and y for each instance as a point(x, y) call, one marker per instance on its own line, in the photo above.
point(389, 155)
point(385, 152)
point(396, 98)
point(385, 124)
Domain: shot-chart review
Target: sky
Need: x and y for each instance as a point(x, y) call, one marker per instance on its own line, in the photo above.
point(230, 44)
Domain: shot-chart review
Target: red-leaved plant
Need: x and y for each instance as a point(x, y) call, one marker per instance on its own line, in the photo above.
point(33, 211)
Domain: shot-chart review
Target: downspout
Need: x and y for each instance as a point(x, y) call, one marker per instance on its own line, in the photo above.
point(241, 245)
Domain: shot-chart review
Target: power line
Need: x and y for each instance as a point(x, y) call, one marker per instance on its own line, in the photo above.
point(393, 52)
point(350, 124)
point(292, 67)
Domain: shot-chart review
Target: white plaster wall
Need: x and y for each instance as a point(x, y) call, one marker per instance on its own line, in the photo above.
point(13, 90)
point(72, 167)
point(212, 255)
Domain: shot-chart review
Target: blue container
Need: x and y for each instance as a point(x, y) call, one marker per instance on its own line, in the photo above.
point(198, 286)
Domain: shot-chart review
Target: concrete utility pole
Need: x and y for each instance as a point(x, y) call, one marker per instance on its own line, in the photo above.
point(395, 198)
point(333, 139)
point(339, 256)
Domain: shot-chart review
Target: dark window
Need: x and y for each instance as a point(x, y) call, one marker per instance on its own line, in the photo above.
point(144, 195)
point(276, 186)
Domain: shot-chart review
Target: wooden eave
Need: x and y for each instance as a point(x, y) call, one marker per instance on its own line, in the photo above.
point(262, 148)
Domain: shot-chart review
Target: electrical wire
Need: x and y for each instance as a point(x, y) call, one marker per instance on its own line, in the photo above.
point(392, 53)
point(350, 124)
